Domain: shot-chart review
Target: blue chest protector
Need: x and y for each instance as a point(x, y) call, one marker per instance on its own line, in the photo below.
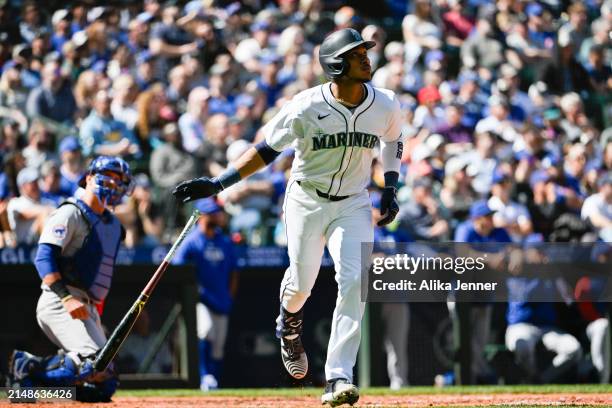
point(91, 267)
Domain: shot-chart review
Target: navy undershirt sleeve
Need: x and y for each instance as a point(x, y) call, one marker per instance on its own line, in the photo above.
point(267, 153)
point(46, 259)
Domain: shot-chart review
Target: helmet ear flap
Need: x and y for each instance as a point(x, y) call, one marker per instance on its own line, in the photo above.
point(338, 69)
point(345, 68)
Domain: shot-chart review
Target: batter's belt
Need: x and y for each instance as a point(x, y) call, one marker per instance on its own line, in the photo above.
point(327, 196)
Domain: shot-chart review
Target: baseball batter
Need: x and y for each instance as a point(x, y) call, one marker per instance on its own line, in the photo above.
point(334, 129)
point(75, 260)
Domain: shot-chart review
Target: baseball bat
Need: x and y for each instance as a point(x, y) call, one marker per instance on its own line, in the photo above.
point(123, 329)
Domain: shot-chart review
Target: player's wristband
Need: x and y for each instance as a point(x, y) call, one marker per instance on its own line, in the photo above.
point(391, 179)
point(59, 288)
point(228, 178)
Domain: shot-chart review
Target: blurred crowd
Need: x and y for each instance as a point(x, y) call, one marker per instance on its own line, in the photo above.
point(506, 100)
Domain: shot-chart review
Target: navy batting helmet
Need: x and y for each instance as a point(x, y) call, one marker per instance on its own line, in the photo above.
point(335, 46)
point(108, 189)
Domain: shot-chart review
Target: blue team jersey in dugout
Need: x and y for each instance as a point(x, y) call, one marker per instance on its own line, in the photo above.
point(541, 314)
point(466, 233)
point(215, 260)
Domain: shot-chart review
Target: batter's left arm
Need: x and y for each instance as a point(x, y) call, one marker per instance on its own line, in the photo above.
point(391, 143)
point(391, 149)
point(391, 155)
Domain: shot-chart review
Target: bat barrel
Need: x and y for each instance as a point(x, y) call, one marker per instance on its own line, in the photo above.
point(156, 278)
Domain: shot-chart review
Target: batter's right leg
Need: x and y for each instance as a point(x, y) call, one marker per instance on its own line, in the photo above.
point(305, 223)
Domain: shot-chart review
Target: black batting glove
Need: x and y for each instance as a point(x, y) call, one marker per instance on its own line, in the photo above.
point(389, 206)
point(197, 188)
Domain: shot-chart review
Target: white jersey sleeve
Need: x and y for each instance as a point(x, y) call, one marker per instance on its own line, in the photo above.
point(395, 123)
point(284, 127)
point(391, 144)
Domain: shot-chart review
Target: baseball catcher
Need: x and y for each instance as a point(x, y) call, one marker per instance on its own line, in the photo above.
point(75, 261)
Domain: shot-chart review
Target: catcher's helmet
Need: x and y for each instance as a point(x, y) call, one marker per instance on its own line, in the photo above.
point(334, 46)
point(109, 190)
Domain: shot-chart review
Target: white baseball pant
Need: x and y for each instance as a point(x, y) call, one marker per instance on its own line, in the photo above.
point(311, 222)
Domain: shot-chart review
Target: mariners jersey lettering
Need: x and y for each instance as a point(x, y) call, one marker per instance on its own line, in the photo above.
point(357, 139)
point(334, 147)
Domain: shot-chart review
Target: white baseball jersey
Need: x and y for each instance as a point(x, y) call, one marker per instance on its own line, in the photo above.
point(334, 146)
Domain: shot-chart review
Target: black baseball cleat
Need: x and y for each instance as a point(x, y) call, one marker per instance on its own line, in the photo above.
point(340, 391)
point(294, 357)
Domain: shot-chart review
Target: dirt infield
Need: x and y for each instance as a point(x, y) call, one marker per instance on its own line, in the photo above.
point(418, 400)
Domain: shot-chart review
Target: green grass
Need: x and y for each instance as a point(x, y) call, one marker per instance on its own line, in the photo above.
point(316, 392)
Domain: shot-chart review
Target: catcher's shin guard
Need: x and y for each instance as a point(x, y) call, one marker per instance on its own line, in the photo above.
point(58, 370)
